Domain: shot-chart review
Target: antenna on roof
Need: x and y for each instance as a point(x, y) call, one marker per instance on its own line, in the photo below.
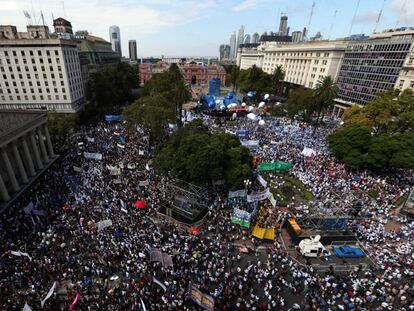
point(379, 16)
point(332, 24)
point(353, 18)
point(63, 7)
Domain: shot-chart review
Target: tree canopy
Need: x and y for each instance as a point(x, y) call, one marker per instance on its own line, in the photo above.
point(255, 79)
point(196, 156)
point(378, 136)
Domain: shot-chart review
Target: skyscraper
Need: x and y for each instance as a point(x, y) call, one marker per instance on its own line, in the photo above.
point(132, 46)
point(255, 38)
point(224, 51)
point(283, 29)
point(297, 36)
point(233, 49)
point(115, 38)
point(240, 38)
point(247, 39)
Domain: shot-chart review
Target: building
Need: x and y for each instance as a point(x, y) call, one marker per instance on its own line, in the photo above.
point(297, 36)
point(132, 45)
point(115, 39)
point(63, 28)
point(283, 28)
point(381, 62)
point(255, 38)
point(233, 49)
point(95, 54)
point(193, 73)
point(304, 63)
point(224, 51)
point(25, 152)
point(240, 38)
point(246, 39)
point(40, 70)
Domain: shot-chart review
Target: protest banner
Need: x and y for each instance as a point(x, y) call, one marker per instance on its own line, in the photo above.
point(237, 194)
point(117, 181)
point(276, 166)
point(143, 183)
point(203, 300)
point(19, 253)
point(140, 152)
point(90, 139)
point(242, 133)
point(94, 156)
point(113, 118)
point(49, 294)
point(250, 143)
point(157, 255)
point(258, 196)
point(159, 283)
point(77, 169)
point(240, 217)
point(103, 224)
point(131, 166)
point(272, 199)
point(121, 146)
point(113, 170)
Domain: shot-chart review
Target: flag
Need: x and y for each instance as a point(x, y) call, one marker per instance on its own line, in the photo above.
point(72, 306)
point(49, 294)
point(19, 253)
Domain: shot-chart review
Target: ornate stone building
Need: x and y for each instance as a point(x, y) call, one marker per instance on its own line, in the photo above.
point(25, 151)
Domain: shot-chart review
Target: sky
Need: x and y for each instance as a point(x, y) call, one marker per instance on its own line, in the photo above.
point(198, 27)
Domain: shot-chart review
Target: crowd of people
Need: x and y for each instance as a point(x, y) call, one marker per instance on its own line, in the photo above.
point(55, 228)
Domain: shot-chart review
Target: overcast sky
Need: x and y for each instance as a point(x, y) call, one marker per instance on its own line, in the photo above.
point(198, 27)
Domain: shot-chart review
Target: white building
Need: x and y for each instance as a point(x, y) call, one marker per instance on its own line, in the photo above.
point(39, 71)
point(233, 49)
point(304, 63)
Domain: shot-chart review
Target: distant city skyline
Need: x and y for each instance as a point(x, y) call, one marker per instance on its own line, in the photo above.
point(179, 28)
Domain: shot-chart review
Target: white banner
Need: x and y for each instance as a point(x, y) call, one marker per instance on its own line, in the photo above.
point(90, 139)
point(258, 196)
point(272, 199)
point(144, 183)
point(117, 181)
point(95, 156)
point(19, 253)
point(121, 146)
point(237, 194)
point(103, 224)
point(162, 285)
point(140, 152)
point(131, 166)
point(262, 181)
point(26, 307)
point(250, 143)
point(49, 294)
point(114, 170)
point(77, 169)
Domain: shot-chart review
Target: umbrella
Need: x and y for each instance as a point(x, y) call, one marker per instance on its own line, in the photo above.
point(140, 204)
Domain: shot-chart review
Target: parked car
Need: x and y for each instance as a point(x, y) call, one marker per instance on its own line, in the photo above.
point(346, 251)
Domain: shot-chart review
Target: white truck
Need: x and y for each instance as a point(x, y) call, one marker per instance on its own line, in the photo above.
point(313, 247)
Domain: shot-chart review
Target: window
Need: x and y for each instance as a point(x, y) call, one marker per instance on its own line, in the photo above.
point(401, 83)
point(14, 53)
point(31, 53)
point(324, 62)
point(412, 84)
point(56, 53)
point(6, 53)
point(39, 53)
point(57, 96)
point(64, 97)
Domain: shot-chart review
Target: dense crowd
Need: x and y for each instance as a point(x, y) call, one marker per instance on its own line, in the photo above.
point(57, 226)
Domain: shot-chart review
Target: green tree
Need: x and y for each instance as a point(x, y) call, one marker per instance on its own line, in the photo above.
point(255, 79)
point(152, 113)
point(60, 125)
point(301, 102)
point(277, 77)
point(194, 155)
point(234, 77)
point(325, 92)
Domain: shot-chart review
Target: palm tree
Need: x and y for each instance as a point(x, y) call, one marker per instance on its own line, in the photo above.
point(181, 94)
point(277, 77)
point(234, 77)
point(325, 92)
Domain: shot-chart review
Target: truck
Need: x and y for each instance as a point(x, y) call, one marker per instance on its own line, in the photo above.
point(346, 251)
point(312, 247)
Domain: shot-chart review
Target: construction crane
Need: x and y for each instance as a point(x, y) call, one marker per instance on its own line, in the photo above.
point(28, 18)
point(310, 20)
point(332, 24)
point(353, 18)
point(379, 16)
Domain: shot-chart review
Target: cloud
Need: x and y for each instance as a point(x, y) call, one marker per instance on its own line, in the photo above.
point(366, 17)
point(246, 4)
point(404, 9)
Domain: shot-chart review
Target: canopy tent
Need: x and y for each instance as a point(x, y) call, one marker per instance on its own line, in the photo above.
point(276, 166)
point(140, 204)
point(264, 233)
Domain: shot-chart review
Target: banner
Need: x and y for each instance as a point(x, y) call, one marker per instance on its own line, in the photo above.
point(26, 307)
point(262, 181)
point(121, 146)
point(157, 255)
point(131, 166)
point(203, 300)
point(90, 139)
point(113, 118)
point(272, 199)
point(143, 183)
point(250, 143)
point(49, 294)
point(140, 152)
point(104, 224)
point(242, 133)
point(77, 169)
point(19, 253)
point(240, 217)
point(113, 170)
point(276, 166)
point(117, 181)
point(237, 194)
point(28, 209)
point(258, 196)
point(94, 156)
point(72, 306)
point(159, 283)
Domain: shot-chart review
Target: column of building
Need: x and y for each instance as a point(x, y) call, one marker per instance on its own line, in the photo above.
point(37, 152)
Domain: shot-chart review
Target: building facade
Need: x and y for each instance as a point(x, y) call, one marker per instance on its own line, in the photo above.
point(39, 71)
point(233, 49)
point(224, 51)
point(193, 73)
point(304, 63)
point(381, 62)
point(255, 38)
point(115, 39)
point(240, 38)
point(297, 36)
point(283, 28)
point(25, 151)
point(132, 46)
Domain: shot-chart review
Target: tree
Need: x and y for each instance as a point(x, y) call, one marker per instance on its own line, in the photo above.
point(194, 155)
point(277, 77)
point(152, 113)
point(301, 102)
point(234, 77)
point(61, 124)
point(255, 79)
point(325, 92)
